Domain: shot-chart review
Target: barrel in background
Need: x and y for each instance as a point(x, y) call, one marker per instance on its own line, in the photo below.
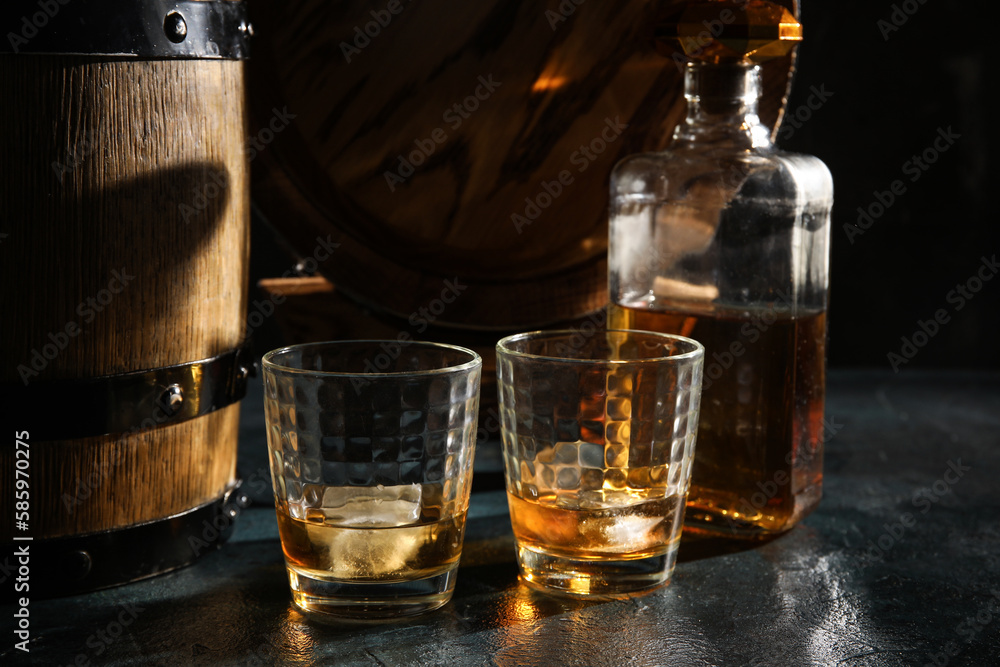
point(455, 223)
point(461, 140)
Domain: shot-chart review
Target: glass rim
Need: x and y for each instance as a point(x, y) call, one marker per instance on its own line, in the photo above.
point(698, 351)
point(474, 362)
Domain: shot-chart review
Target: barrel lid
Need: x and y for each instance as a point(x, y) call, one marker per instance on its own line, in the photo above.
point(452, 158)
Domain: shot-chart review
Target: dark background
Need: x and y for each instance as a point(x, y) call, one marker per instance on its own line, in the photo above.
point(890, 97)
point(890, 91)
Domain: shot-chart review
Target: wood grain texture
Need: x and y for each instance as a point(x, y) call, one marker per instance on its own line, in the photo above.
point(124, 193)
point(561, 83)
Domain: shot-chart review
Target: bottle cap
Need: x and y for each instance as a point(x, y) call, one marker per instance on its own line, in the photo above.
point(728, 31)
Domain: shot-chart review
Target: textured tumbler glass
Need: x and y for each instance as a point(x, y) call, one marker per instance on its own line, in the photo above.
point(371, 446)
point(598, 438)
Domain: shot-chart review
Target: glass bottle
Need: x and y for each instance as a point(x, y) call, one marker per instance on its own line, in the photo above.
point(724, 238)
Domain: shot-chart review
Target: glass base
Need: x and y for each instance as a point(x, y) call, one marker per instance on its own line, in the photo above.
point(355, 601)
point(707, 520)
point(595, 579)
point(710, 521)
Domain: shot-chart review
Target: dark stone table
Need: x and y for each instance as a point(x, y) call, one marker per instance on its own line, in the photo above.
point(900, 565)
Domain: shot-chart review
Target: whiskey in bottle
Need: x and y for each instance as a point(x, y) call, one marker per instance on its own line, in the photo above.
point(724, 238)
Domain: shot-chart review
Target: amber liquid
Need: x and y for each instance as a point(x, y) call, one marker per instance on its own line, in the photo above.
point(366, 553)
point(629, 532)
point(758, 458)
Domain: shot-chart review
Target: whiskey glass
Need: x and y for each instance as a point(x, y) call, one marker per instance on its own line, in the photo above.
point(371, 448)
point(598, 438)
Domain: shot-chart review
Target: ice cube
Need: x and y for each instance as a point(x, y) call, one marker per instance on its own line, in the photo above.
point(372, 553)
point(622, 534)
point(631, 532)
point(374, 506)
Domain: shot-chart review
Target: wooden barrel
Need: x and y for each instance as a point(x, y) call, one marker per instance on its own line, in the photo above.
point(447, 140)
point(125, 204)
point(458, 153)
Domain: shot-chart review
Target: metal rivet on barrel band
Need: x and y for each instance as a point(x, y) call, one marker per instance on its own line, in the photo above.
point(190, 29)
point(79, 565)
point(172, 399)
point(130, 402)
point(175, 27)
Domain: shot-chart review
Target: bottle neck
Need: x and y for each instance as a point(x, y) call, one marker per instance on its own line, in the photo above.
point(722, 106)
